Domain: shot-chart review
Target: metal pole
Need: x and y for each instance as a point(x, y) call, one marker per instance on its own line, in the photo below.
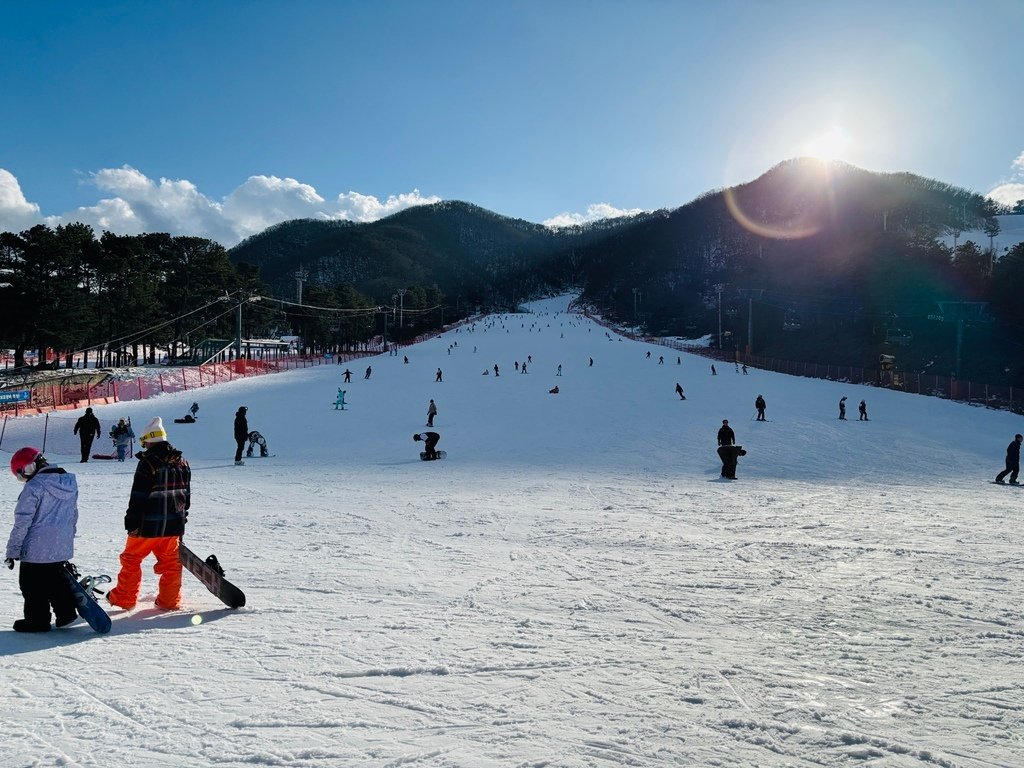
point(750, 325)
point(719, 319)
point(238, 330)
point(401, 309)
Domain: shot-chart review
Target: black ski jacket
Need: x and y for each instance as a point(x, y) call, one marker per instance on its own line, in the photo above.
point(161, 494)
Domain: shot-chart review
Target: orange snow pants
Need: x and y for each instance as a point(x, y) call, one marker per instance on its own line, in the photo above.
point(168, 567)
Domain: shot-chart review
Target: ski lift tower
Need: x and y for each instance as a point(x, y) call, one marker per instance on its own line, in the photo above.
point(961, 313)
point(750, 294)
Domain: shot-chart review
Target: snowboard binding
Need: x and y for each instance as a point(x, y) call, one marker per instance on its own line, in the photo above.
point(215, 564)
point(89, 583)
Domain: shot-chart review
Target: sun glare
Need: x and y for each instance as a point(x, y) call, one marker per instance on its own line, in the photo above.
point(831, 145)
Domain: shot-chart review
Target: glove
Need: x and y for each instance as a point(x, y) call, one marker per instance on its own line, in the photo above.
point(10, 563)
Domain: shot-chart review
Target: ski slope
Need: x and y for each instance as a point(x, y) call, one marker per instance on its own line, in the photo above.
point(574, 585)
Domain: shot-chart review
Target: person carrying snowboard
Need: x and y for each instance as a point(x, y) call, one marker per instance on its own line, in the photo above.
point(842, 408)
point(88, 429)
point(431, 413)
point(760, 404)
point(430, 440)
point(241, 434)
point(43, 537)
point(1012, 461)
point(679, 391)
point(155, 521)
point(122, 436)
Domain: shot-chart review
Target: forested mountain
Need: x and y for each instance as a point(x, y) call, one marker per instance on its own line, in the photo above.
point(835, 265)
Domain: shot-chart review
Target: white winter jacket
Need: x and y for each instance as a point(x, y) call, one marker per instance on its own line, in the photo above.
point(45, 518)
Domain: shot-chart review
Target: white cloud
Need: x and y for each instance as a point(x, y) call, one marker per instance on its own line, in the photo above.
point(1009, 192)
point(16, 213)
point(137, 203)
point(595, 212)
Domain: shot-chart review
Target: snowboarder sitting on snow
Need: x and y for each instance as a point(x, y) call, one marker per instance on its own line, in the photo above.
point(122, 436)
point(155, 520)
point(760, 404)
point(1012, 461)
point(553, 390)
point(430, 440)
point(43, 537)
point(728, 454)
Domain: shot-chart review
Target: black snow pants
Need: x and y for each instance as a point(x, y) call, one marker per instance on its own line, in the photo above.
point(44, 585)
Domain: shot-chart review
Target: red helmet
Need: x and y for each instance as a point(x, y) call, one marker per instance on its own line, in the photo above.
point(22, 460)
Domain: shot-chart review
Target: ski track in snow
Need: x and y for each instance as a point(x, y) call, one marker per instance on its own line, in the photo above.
point(572, 586)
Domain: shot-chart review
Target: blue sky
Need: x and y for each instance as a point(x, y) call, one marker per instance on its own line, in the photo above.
point(219, 118)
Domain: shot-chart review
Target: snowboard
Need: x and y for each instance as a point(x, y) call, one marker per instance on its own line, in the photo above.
point(85, 603)
point(1007, 482)
point(212, 575)
point(440, 455)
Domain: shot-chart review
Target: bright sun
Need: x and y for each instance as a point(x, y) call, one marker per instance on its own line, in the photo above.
point(831, 145)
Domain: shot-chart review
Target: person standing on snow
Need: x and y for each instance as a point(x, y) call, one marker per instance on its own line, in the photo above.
point(348, 376)
point(1012, 461)
point(430, 440)
point(155, 521)
point(369, 370)
point(437, 376)
point(760, 404)
point(679, 391)
point(241, 434)
point(431, 413)
point(88, 429)
point(725, 435)
point(194, 409)
point(842, 408)
point(43, 538)
point(863, 408)
point(122, 436)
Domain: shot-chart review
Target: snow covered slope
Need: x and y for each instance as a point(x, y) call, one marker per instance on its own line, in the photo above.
point(574, 585)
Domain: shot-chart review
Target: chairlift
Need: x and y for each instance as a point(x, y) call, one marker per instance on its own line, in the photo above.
point(899, 336)
point(792, 321)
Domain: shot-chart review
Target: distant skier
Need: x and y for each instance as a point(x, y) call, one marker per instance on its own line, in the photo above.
point(405, 359)
point(725, 435)
point(369, 370)
point(348, 376)
point(713, 371)
point(591, 362)
point(430, 440)
point(744, 369)
point(863, 409)
point(648, 354)
point(559, 370)
point(661, 359)
point(194, 409)
point(431, 413)
point(760, 404)
point(88, 429)
point(679, 391)
point(437, 377)
point(241, 434)
point(842, 408)
point(522, 368)
point(1012, 461)
point(496, 369)
point(553, 390)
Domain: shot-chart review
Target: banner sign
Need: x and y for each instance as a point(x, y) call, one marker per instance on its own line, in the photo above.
point(16, 396)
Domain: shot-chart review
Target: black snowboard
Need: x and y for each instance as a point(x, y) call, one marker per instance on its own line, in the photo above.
point(212, 575)
point(440, 455)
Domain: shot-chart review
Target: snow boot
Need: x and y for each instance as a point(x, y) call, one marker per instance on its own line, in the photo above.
point(239, 463)
point(24, 625)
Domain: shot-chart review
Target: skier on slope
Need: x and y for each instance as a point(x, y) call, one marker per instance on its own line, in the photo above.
point(760, 404)
point(431, 413)
point(1012, 461)
point(43, 538)
point(155, 521)
point(430, 440)
point(679, 391)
